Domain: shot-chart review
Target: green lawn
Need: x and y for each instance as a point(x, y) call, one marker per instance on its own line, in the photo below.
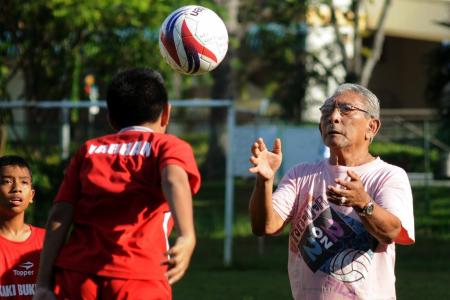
point(252, 275)
point(259, 273)
point(423, 271)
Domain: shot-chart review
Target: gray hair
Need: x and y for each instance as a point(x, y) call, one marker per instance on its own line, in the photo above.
point(372, 104)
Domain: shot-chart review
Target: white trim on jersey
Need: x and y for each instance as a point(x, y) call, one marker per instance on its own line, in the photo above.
point(136, 128)
point(165, 224)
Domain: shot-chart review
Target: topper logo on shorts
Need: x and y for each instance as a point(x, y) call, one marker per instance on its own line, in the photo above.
point(24, 269)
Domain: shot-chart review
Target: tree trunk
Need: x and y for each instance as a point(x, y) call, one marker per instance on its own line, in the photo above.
point(3, 139)
point(377, 47)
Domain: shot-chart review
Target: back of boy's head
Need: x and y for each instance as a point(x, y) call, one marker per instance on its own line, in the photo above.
point(14, 160)
point(136, 96)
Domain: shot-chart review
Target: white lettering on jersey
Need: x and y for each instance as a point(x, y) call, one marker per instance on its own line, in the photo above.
point(26, 289)
point(113, 149)
point(91, 149)
point(8, 290)
point(12, 290)
point(134, 150)
point(130, 149)
point(23, 273)
point(101, 149)
point(24, 269)
point(125, 149)
point(145, 150)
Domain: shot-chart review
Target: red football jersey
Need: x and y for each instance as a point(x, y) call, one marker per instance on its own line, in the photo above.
point(19, 264)
point(121, 219)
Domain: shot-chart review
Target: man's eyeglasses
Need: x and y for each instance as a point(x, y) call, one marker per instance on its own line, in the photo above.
point(343, 108)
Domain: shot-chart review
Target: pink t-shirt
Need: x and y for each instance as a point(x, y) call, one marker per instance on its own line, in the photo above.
point(331, 254)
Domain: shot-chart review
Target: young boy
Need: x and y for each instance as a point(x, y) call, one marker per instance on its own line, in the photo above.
point(121, 194)
point(20, 243)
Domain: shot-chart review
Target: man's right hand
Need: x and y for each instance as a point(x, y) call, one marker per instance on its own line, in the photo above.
point(265, 162)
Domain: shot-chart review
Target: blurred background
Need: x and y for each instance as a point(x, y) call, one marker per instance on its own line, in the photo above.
point(284, 59)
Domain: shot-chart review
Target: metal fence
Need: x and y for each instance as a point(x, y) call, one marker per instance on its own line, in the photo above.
point(41, 130)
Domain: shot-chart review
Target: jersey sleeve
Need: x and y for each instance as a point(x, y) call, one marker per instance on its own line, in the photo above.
point(178, 152)
point(70, 188)
point(396, 197)
point(284, 196)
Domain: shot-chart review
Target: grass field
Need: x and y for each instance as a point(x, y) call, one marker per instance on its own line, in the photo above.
point(260, 273)
point(423, 271)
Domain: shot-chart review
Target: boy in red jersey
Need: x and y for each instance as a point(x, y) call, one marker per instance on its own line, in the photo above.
point(122, 194)
point(20, 243)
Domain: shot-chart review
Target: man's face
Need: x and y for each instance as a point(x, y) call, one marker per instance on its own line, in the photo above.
point(16, 190)
point(344, 122)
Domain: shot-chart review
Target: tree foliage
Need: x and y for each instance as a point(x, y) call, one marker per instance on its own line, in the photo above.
point(366, 44)
point(54, 43)
point(272, 51)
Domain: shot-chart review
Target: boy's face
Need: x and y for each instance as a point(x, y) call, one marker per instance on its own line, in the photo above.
point(16, 190)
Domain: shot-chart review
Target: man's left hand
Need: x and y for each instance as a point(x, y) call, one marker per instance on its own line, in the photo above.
point(350, 193)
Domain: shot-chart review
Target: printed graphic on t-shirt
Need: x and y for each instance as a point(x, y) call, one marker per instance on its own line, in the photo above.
point(332, 242)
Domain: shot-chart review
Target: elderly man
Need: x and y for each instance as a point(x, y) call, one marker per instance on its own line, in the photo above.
point(346, 213)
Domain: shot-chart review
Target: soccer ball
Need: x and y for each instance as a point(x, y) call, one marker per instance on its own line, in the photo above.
point(193, 40)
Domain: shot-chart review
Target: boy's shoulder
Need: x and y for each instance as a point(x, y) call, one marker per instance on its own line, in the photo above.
point(170, 138)
point(166, 140)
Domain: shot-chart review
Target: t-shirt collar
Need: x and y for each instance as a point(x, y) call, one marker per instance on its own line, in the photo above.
point(136, 128)
point(344, 169)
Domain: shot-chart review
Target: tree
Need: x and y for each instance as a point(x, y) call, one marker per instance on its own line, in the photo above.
point(272, 52)
point(266, 49)
point(341, 47)
point(359, 47)
point(54, 43)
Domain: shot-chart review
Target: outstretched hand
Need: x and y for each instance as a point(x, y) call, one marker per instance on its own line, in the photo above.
point(265, 162)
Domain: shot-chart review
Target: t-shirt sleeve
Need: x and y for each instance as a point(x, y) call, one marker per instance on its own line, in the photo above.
point(284, 196)
point(178, 152)
point(395, 196)
point(70, 188)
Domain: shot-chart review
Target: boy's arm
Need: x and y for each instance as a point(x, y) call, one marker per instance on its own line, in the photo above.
point(176, 188)
point(58, 224)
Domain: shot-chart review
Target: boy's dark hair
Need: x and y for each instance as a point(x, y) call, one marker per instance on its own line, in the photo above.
point(136, 96)
point(15, 160)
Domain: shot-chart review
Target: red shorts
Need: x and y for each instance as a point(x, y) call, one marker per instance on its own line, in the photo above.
point(70, 285)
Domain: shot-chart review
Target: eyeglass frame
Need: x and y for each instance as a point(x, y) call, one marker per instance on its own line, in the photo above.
point(338, 106)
